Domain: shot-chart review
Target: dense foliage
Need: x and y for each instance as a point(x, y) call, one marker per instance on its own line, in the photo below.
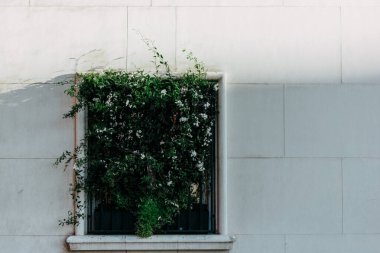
point(147, 142)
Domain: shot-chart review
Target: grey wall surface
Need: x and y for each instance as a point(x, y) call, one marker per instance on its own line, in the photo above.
point(303, 127)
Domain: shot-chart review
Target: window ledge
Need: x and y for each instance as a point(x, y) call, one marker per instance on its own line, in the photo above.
point(153, 243)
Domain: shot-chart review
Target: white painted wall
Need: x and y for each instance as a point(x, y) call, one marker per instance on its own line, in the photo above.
point(303, 111)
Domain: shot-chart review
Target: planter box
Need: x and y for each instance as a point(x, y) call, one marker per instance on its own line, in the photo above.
point(194, 220)
point(108, 221)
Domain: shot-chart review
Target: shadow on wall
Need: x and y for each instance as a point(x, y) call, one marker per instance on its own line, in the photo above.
point(33, 134)
point(31, 119)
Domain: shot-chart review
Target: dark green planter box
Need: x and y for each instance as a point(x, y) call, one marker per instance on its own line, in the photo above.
point(110, 221)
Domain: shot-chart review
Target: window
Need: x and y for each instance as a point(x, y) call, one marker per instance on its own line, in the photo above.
point(198, 218)
point(211, 204)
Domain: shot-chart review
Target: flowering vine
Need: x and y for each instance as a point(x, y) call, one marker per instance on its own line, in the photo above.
point(148, 141)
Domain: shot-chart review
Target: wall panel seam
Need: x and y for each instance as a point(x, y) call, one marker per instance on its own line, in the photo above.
point(284, 119)
point(342, 178)
point(126, 55)
point(175, 37)
point(341, 44)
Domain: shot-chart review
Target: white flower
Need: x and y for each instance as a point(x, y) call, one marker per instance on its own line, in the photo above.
point(183, 119)
point(208, 131)
point(142, 156)
point(138, 133)
point(193, 153)
point(174, 204)
point(179, 103)
point(109, 100)
point(163, 92)
point(207, 105)
point(127, 103)
point(200, 166)
point(174, 157)
point(169, 183)
point(196, 123)
point(203, 115)
point(101, 130)
point(162, 142)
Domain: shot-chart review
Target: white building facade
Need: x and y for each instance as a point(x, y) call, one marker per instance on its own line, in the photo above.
point(302, 112)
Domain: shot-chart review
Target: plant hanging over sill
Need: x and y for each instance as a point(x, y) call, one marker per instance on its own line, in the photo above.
point(147, 141)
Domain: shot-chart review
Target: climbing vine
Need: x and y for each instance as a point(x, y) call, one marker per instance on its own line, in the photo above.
point(147, 141)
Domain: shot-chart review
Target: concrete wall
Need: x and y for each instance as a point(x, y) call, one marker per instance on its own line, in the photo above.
point(303, 111)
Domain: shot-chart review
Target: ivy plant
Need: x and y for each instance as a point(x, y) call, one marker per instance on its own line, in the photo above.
point(146, 143)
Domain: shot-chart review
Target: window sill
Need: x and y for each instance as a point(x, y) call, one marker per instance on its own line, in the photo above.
point(154, 243)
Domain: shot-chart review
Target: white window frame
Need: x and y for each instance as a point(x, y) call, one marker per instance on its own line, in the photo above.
point(219, 241)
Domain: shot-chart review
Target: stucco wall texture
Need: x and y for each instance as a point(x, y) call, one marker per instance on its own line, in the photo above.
point(303, 104)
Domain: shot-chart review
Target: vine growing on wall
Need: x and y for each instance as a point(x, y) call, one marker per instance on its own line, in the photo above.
point(147, 140)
